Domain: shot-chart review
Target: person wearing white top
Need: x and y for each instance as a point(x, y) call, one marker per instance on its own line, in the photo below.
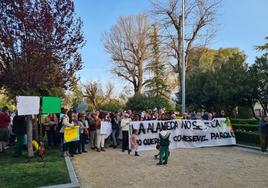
point(125, 123)
point(66, 122)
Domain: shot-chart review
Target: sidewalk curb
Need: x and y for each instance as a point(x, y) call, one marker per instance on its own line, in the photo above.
point(248, 147)
point(74, 181)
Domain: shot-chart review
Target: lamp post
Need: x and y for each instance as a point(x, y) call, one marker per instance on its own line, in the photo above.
point(183, 108)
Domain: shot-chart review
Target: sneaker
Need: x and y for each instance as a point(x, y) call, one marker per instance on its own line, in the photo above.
point(159, 164)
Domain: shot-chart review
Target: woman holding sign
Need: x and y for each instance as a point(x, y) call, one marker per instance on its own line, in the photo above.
point(67, 122)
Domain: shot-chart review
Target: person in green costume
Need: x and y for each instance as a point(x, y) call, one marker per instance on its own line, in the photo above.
point(164, 145)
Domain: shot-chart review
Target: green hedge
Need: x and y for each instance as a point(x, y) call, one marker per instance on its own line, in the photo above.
point(245, 127)
point(245, 121)
point(251, 138)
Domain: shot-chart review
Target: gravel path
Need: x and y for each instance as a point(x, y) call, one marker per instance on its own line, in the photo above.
point(201, 167)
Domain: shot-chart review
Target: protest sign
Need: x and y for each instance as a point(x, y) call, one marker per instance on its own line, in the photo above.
point(28, 105)
point(106, 128)
point(71, 134)
point(51, 105)
point(185, 133)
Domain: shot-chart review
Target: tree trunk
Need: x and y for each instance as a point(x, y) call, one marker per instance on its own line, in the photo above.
point(29, 136)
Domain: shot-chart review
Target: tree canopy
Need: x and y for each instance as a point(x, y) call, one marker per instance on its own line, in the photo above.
point(39, 45)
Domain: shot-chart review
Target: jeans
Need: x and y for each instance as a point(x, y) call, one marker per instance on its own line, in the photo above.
point(125, 140)
point(114, 137)
point(100, 139)
point(19, 144)
point(51, 136)
point(93, 138)
point(82, 143)
point(263, 141)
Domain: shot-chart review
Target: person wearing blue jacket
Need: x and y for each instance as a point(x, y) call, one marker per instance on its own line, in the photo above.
point(263, 128)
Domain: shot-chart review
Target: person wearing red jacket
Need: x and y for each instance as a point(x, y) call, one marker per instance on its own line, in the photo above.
point(4, 123)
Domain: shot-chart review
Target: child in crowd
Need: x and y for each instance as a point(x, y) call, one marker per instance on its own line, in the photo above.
point(164, 145)
point(134, 144)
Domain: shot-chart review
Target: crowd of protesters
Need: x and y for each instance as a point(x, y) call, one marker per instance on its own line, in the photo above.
point(51, 128)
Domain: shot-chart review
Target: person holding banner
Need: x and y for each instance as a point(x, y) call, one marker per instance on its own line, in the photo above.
point(125, 122)
point(164, 136)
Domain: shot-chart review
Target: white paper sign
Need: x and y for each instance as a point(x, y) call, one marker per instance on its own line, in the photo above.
point(106, 128)
point(28, 105)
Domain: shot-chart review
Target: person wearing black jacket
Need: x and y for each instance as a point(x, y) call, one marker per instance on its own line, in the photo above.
point(19, 128)
point(92, 129)
point(115, 129)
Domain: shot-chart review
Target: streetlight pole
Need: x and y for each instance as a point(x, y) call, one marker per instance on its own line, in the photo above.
point(183, 108)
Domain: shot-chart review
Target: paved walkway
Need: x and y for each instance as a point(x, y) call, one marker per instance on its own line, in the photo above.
point(201, 167)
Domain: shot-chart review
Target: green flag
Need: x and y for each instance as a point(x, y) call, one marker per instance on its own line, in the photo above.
point(51, 105)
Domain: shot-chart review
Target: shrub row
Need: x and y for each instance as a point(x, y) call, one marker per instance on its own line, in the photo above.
point(252, 138)
point(245, 121)
point(245, 127)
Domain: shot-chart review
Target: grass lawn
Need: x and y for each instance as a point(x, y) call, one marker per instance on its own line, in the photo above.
point(18, 172)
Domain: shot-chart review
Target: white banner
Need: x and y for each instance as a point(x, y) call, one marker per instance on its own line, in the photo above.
point(185, 133)
point(28, 105)
point(106, 128)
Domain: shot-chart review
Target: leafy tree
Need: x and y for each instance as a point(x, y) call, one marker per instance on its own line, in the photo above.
point(6, 101)
point(140, 102)
point(263, 47)
point(39, 48)
point(157, 84)
point(96, 96)
point(259, 81)
point(223, 87)
point(112, 106)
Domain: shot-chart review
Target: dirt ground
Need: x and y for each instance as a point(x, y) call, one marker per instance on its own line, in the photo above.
point(213, 167)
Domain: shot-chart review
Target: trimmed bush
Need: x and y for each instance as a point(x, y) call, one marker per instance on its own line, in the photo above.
point(247, 137)
point(245, 127)
point(245, 121)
